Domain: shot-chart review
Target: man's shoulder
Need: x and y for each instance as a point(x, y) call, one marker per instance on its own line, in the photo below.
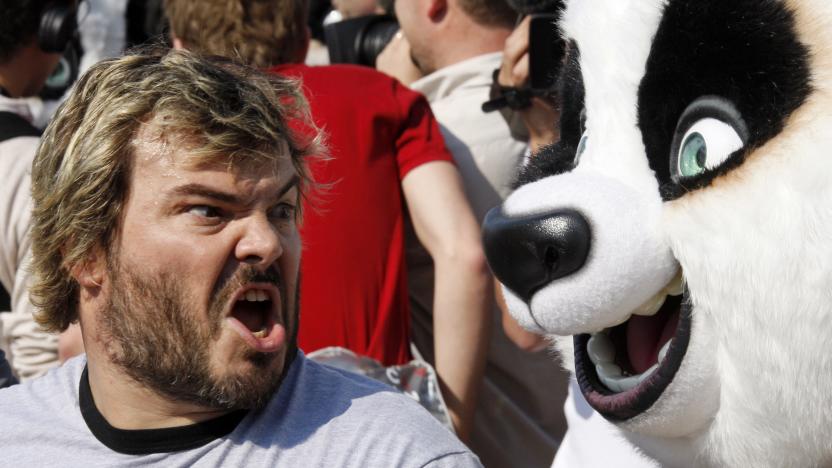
point(42, 405)
point(328, 384)
point(58, 386)
point(328, 410)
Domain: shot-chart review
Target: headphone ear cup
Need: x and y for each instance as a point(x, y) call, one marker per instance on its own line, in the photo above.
point(57, 27)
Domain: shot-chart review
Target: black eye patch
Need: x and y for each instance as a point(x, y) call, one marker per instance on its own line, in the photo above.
point(745, 51)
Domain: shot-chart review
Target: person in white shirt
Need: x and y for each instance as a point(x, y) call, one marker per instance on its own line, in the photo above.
point(449, 50)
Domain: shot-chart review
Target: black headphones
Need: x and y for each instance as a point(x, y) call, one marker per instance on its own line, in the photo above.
point(58, 25)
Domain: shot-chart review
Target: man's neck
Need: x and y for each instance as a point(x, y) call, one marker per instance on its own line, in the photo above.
point(127, 404)
point(488, 40)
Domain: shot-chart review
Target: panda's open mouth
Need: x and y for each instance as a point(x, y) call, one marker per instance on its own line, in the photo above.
point(623, 370)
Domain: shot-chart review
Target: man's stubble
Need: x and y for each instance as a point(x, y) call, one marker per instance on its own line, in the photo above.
point(154, 335)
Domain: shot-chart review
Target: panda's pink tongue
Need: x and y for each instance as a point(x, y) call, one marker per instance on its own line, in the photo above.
point(646, 336)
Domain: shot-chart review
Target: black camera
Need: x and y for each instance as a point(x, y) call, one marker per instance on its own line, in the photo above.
point(546, 52)
point(359, 41)
point(546, 49)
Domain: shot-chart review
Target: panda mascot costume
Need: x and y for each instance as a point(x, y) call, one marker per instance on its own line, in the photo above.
point(676, 244)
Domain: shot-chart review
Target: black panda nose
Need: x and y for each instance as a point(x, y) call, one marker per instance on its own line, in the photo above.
point(528, 252)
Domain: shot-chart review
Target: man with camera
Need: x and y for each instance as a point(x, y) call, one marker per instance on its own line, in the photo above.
point(33, 37)
point(449, 50)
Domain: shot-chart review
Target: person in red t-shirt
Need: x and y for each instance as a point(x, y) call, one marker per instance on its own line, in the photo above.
point(386, 154)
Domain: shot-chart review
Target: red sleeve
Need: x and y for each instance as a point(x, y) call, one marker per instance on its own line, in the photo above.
point(419, 140)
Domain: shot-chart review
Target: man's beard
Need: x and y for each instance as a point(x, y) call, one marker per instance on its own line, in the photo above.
point(158, 338)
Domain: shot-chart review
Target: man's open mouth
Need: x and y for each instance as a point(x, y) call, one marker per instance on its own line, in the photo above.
point(624, 369)
point(254, 316)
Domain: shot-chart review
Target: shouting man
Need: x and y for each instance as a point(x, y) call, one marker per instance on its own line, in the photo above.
point(166, 198)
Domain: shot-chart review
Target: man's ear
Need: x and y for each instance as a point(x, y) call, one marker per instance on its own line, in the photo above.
point(91, 272)
point(437, 10)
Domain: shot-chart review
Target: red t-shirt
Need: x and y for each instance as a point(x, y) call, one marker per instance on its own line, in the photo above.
point(353, 276)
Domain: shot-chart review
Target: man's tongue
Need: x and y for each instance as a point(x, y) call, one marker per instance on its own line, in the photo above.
point(647, 335)
point(252, 321)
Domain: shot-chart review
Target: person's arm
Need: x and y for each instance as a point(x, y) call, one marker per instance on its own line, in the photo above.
point(522, 338)
point(70, 343)
point(30, 350)
point(445, 225)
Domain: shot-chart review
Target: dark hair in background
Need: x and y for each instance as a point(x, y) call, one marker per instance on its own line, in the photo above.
point(146, 23)
point(318, 9)
point(386, 5)
point(490, 12)
point(21, 19)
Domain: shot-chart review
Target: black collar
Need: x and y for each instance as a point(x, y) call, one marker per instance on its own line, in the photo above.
point(3, 92)
point(147, 441)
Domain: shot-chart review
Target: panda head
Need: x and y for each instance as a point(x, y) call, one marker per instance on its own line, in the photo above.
point(676, 236)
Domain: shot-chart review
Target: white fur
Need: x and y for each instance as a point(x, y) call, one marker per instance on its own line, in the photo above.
point(755, 248)
point(627, 264)
point(613, 185)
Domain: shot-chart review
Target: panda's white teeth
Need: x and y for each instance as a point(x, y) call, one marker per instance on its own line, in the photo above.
point(600, 349)
point(675, 288)
point(652, 305)
point(602, 353)
point(663, 351)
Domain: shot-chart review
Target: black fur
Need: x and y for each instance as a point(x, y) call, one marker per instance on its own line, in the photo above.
point(559, 157)
point(745, 51)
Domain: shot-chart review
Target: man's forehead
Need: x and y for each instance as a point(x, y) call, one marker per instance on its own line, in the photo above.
point(155, 148)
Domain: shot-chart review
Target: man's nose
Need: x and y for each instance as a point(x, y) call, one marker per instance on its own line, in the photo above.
point(259, 243)
point(528, 252)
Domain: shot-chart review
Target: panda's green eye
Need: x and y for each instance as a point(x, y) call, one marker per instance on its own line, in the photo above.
point(706, 144)
point(693, 155)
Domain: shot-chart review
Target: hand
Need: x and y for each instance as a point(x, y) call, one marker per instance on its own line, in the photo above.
point(514, 71)
point(541, 118)
point(395, 61)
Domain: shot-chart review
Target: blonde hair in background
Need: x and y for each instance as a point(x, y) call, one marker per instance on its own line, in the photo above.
point(224, 112)
point(260, 33)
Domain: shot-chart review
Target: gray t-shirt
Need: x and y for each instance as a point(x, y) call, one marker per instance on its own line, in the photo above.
point(320, 417)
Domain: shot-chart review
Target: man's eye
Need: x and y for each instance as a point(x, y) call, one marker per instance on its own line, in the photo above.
point(284, 212)
point(205, 211)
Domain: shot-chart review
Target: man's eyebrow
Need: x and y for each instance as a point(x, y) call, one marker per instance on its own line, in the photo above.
point(195, 189)
point(289, 185)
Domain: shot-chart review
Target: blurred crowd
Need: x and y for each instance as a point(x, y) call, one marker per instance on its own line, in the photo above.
point(428, 109)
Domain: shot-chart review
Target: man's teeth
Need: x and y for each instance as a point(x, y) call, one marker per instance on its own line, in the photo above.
point(260, 334)
point(602, 353)
point(256, 295)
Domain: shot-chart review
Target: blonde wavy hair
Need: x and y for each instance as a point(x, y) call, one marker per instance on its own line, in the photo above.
point(260, 33)
point(225, 112)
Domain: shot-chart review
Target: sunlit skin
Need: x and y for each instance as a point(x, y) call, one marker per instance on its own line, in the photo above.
point(199, 225)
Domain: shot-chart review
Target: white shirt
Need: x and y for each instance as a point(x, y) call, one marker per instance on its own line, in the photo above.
point(30, 351)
